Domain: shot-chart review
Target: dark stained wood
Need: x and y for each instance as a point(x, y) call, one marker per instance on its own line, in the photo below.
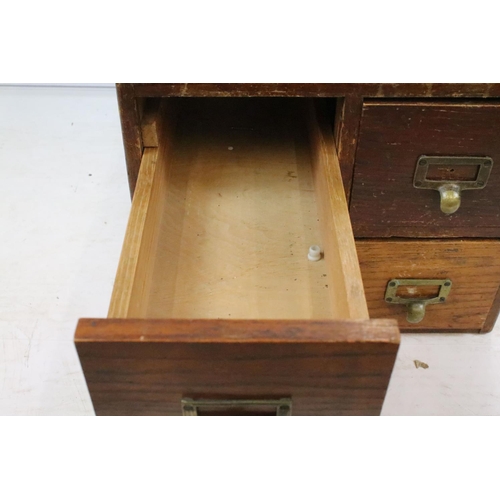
point(149, 122)
point(131, 130)
point(393, 135)
point(347, 120)
point(317, 89)
point(492, 317)
point(353, 92)
point(472, 266)
point(145, 367)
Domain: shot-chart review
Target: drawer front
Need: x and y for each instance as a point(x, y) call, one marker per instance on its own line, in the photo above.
point(472, 267)
point(393, 138)
point(148, 367)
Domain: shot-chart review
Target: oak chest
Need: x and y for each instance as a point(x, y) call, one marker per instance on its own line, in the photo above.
point(217, 308)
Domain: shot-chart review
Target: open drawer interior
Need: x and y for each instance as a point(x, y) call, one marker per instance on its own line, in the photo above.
point(225, 210)
point(216, 308)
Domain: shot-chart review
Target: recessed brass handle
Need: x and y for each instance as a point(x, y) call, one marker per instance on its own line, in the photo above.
point(283, 406)
point(451, 191)
point(415, 307)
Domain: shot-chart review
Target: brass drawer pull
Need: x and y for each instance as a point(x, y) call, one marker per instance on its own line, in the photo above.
point(450, 190)
point(190, 406)
point(415, 307)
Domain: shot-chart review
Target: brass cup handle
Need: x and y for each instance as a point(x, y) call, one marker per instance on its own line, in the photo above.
point(451, 191)
point(416, 307)
point(415, 311)
point(450, 198)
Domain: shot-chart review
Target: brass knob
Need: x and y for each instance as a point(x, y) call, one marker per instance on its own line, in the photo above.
point(415, 312)
point(450, 198)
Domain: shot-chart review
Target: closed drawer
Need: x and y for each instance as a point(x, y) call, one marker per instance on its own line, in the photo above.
point(215, 301)
point(472, 269)
point(454, 137)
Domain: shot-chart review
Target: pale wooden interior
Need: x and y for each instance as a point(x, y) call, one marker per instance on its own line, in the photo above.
point(225, 210)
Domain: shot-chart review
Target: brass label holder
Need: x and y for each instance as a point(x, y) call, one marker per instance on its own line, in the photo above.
point(190, 406)
point(450, 190)
point(415, 307)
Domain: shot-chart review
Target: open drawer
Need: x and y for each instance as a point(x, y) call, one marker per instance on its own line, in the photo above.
point(216, 308)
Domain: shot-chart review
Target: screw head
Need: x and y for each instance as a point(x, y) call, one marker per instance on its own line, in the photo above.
point(447, 283)
point(388, 299)
point(392, 283)
point(422, 162)
point(487, 163)
point(418, 183)
point(480, 183)
point(442, 299)
point(188, 408)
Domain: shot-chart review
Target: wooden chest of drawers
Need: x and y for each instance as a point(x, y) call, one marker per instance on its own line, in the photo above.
point(216, 308)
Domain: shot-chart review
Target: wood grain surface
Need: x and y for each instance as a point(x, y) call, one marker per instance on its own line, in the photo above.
point(135, 269)
point(131, 125)
point(393, 135)
point(347, 120)
point(128, 106)
point(317, 89)
point(138, 234)
point(493, 314)
point(472, 266)
point(145, 367)
point(149, 120)
point(222, 221)
point(344, 275)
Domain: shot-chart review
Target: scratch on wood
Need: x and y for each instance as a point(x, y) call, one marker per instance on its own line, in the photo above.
point(420, 364)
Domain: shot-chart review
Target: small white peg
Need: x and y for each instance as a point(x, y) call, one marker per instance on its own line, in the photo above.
point(314, 253)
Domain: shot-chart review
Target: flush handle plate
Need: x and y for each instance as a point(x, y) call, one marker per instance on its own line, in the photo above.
point(190, 406)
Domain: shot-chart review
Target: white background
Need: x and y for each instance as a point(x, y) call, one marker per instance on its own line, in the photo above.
point(217, 41)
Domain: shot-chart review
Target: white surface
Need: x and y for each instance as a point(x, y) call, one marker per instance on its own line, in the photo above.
point(61, 238)
point(108, 85)
point(62, 231)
